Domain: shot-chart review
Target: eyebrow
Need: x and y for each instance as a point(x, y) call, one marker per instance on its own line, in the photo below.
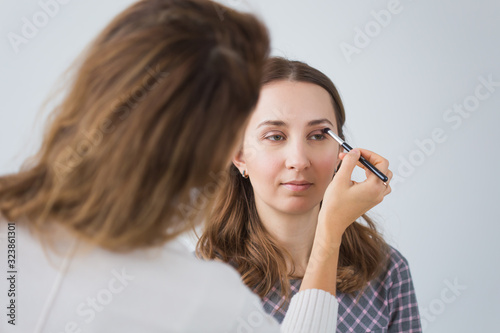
point(319, 121)
point(281, 123)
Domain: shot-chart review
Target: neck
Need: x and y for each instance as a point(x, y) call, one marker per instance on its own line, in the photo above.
point(294, 232)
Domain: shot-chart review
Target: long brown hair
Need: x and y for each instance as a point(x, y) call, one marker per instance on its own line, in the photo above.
point(154, 107)
point(234, 233)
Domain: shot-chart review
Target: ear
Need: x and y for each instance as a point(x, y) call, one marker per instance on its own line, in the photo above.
point(239, 161)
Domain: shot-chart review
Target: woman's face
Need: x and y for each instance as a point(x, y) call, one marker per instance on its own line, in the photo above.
point(290, 162)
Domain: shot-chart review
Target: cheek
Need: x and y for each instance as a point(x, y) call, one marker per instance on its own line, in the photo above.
point(325, 166)
point(264, 167)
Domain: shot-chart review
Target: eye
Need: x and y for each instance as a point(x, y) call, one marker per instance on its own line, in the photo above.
point(318, 136)
point(275, 137)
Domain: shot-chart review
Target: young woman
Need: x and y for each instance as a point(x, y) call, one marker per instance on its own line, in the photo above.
point(267, 224)
point(156, 107)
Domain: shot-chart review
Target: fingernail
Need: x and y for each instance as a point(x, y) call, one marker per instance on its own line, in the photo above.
point(356, 151)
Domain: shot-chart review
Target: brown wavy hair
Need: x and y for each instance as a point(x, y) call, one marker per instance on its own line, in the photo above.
point(234, 233)
point(140, 127)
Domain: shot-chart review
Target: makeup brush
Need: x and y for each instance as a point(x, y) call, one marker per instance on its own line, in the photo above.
point(362, 160)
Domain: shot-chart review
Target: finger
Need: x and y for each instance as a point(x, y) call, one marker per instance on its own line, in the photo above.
point(349, 162)
point(389, 175)
point(388, 190)
point(387, 184)
point(376, 160)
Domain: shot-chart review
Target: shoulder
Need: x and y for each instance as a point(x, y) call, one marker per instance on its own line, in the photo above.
point(205, 272)
point(225, 301)
point(179, 287)
point(163, 288)
point(396, 260)
point(219, 274)
point(398, 269)
point(207, 278)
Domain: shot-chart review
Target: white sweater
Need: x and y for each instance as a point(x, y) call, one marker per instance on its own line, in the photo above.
point(162, 290)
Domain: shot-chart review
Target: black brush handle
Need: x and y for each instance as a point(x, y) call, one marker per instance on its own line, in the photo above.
point(367, 164)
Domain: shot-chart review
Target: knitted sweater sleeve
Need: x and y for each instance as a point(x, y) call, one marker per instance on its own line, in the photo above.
point(311, 310)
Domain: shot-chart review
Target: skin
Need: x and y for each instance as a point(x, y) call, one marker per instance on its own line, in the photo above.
point(284, 147)
point(290, 164)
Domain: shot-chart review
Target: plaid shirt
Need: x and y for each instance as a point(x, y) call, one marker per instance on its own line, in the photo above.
point(387, 305)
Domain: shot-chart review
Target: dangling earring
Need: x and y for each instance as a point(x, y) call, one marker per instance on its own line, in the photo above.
point(244, 174)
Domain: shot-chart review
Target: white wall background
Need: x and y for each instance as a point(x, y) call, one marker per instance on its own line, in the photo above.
point(406, 79)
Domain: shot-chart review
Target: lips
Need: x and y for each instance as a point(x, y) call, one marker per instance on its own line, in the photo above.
point(297, 185)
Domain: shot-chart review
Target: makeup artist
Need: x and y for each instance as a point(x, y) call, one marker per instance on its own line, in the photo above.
point(155, 105)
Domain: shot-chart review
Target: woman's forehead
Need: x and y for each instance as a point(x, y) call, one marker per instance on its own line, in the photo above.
point(292, 103)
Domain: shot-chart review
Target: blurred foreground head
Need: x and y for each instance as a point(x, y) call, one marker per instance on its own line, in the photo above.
point(154, 110)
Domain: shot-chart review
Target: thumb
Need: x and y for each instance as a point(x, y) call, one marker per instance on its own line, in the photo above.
point(349, 162)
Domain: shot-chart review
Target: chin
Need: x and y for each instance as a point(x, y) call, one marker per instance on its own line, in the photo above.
point(298, 206)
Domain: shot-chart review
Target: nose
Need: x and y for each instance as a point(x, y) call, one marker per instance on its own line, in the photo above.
point(296, 157)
